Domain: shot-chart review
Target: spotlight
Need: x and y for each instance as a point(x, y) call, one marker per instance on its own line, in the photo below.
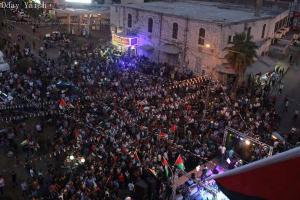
point(247, 142)
point(82, 160)
point(228, 161)
point(72, 157)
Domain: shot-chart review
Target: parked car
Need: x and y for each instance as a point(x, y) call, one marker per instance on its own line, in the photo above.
point(5, 98)
point(4, 67)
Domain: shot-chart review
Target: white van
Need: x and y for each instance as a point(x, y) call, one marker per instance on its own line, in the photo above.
point(4, 67)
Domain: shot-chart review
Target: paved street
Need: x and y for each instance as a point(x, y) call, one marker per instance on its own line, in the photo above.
point(292, 91)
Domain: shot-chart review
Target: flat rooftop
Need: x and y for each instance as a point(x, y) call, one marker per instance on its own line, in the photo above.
point(79, 11)
point(206, 11)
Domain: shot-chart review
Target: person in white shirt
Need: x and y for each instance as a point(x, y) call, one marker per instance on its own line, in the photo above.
point(131, 187)
point(24, 188)
point(222, 149)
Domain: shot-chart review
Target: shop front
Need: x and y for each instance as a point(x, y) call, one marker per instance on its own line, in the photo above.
point(169, 54)
point(227, 74)
point(126, 44)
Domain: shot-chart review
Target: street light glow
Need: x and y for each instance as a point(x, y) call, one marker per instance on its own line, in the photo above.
point(71, 157)
point(82, 160)
point(247, 142)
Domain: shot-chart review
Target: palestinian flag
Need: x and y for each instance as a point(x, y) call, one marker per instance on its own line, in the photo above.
point(62, 104)
point(166, 165)
point(173, 128)
point(275, 178)
point(163, 135)
point(179, 163)
point(152, 171)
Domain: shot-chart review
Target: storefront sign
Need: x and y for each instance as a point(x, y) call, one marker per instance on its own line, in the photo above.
point(123, 41)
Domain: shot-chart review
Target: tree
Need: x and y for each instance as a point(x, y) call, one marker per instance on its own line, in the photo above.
point(241, 54)
point(24, 64)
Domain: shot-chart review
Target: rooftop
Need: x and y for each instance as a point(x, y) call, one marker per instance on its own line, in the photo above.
point(83, 11)
point(206, 11)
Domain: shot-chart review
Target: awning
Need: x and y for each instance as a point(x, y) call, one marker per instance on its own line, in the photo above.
point(259, 67)
point(226, 69)
point(147, 47)
point(169, 48)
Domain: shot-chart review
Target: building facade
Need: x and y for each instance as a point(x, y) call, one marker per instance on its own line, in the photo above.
point(193, 35)
point(83, 21)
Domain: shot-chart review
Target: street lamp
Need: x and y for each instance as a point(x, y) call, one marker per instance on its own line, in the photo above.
point(207, 46)
point(247, 142)
point(72, 157)
point(82, 160)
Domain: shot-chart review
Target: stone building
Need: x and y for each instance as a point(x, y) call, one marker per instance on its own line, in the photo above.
point(80, 21)
point(193, 34)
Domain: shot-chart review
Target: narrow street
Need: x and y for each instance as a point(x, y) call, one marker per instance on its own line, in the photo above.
point(292, 91)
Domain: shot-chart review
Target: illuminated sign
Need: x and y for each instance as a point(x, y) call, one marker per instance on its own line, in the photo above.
point(124, 41)
point(118, 40)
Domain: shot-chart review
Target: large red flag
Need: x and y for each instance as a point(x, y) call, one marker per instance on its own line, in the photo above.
point(274, 178)
point(62, 104)
point(163, 135)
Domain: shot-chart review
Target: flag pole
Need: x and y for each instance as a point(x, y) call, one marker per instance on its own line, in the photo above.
point(173, 183)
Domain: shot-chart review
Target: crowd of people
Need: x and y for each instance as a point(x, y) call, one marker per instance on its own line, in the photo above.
point(116, 117)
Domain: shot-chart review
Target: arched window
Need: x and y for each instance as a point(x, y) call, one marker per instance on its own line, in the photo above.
point(129, 21)
point(201, 36)
point(175, 31)
point(263, 31)
point(150, 25)
point(249, 33)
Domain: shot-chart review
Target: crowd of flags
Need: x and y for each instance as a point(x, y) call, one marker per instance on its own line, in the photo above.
point(179, 164)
